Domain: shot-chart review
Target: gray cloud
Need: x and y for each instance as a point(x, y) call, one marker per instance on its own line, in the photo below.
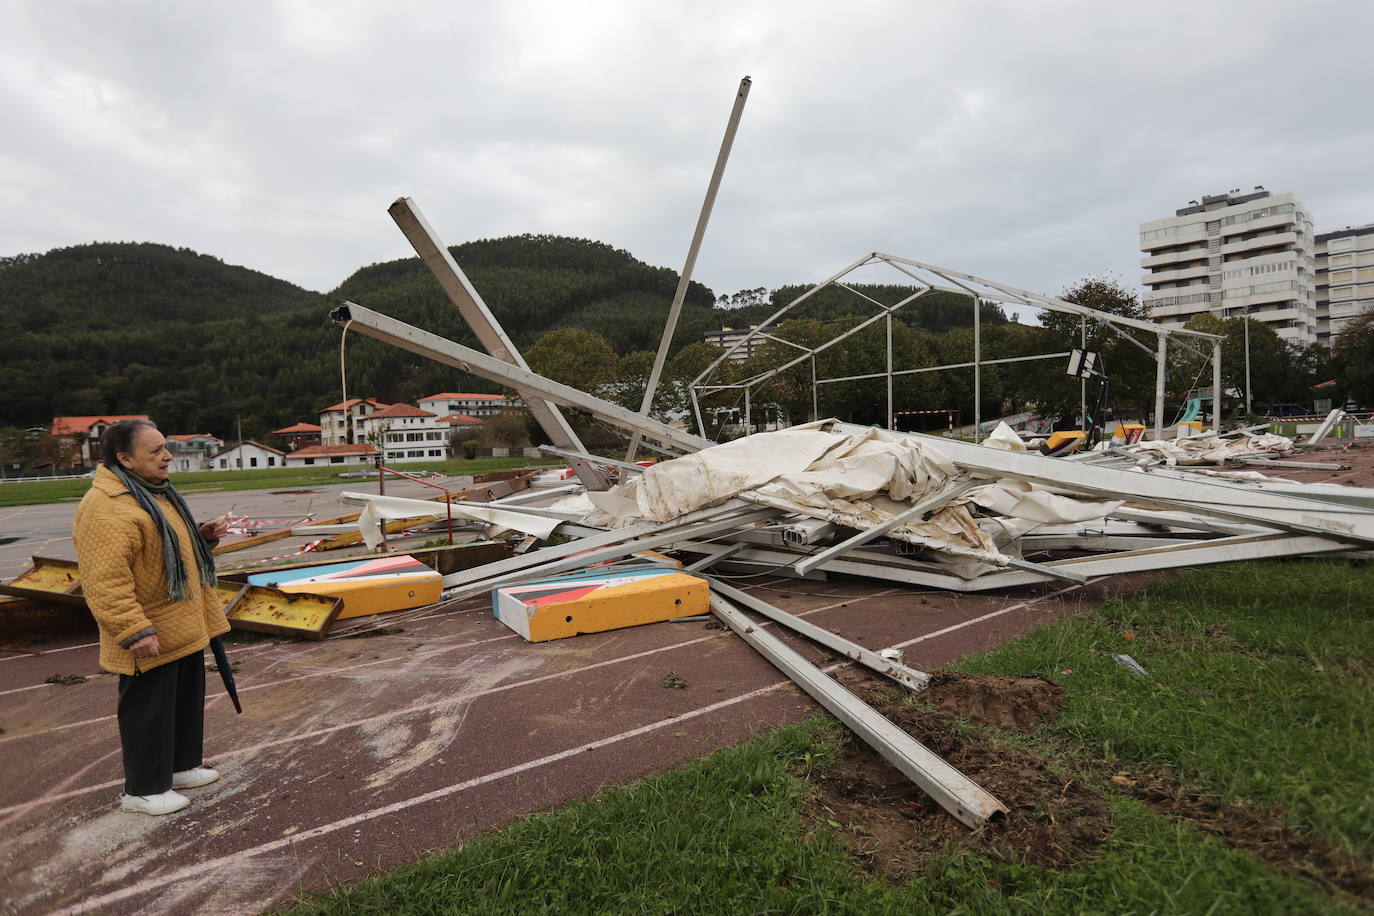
point(1020, 141)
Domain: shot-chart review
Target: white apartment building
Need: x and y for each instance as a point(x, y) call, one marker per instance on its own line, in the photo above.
point(405, 433)
point(480, 406)
point(1345, 278)
point(1234, 254)
point(726, 338)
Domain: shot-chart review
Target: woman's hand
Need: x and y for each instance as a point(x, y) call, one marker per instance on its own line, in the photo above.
point(214, 529)
point(146, 647)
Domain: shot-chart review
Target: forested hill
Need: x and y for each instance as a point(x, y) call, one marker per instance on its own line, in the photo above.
point(196, 343)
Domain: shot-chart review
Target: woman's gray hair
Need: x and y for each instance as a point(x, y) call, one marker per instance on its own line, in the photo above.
point(119, 437)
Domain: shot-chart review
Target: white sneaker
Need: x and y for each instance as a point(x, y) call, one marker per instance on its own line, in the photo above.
point(196, 776)
point(162, 803)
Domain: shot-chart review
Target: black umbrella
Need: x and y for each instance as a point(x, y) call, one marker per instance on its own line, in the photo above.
point(226, 671)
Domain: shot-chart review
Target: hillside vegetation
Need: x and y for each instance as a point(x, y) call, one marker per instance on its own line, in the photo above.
point(197, 343)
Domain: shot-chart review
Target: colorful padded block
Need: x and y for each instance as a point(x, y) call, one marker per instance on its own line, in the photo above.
point(598, 600)
point(375, 586)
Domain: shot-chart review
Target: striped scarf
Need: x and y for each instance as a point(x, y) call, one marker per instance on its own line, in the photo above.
point(172, 564)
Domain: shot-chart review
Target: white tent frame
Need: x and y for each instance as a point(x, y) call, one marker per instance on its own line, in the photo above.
point(928, 278)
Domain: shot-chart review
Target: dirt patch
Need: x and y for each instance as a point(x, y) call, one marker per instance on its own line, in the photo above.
point(1019, 703)
point(893, 828)
point(1259, 831)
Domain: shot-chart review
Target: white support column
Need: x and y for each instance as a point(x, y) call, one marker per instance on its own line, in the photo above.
point(1083, 382)
point(1216, 386)
point(889, 423)
point(1161, 359)
point(977, 373)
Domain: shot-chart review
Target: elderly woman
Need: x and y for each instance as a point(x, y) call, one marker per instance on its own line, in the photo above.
point(149, 578)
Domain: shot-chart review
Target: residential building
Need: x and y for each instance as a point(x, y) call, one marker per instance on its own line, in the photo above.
point(726, 338)
point(192, 451)
point(481, 406)
point(1345, 278)
point(338, 423)
point(405, 433)
point(298, 436)
point(1234, 254)
point(332, 454)
point(247, 454)
point(80, 436)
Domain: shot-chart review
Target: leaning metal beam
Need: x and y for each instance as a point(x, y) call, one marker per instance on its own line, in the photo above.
point(408, 337)
point(951, 790)
point(685, 279)
point(910, 678)
point(463, 294)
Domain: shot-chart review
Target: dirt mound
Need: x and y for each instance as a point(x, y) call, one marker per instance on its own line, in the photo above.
point(1019, 703)
point(1054, 821)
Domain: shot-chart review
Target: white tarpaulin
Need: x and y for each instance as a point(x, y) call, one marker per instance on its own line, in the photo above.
point(377, 508)
point(1212, 449)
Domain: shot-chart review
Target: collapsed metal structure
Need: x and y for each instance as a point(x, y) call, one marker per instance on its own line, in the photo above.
point(1113, 512)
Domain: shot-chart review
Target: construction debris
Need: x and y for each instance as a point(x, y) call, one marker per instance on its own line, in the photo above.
point(829, 497)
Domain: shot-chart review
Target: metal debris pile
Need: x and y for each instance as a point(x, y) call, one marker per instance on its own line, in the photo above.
point(831, 498)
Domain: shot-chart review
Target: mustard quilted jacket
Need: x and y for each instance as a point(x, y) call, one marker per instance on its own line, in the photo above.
point(119, 554)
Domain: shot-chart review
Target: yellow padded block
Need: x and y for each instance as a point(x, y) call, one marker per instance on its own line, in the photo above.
point(595, 601)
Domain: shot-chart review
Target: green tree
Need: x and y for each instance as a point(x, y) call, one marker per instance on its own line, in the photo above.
point(1352, 358)
point(574, 357)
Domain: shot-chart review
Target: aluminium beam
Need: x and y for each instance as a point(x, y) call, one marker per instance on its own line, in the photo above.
point(492, 336)
point(408, 337)
point(910, 678)
point(684, 280)
point(956, 793)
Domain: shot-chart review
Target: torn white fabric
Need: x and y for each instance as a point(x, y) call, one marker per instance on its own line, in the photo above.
point(376, 508)
point(1020, 500)
point(1004, 437)
point(1212, 449)
point(713, 475)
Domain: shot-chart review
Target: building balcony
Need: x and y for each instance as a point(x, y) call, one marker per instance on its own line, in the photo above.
point(1171, 276)
point(1262, 242)
point(1192, 254)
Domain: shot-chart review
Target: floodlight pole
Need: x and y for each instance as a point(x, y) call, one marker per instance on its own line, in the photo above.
point(685, 280)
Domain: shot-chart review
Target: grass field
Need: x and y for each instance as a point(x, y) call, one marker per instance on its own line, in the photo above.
point(1235, 778)
point(34, 492)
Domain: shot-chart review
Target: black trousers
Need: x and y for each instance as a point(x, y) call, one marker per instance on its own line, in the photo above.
point(161, 723)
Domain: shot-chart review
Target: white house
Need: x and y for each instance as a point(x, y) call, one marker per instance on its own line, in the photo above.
point(405, 433)
point(480, 406)
point(339, 422)
point(192, 451)
point(247, 454)
point(332, 454)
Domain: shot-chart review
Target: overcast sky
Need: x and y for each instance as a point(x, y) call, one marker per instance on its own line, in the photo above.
point(1021, 141)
